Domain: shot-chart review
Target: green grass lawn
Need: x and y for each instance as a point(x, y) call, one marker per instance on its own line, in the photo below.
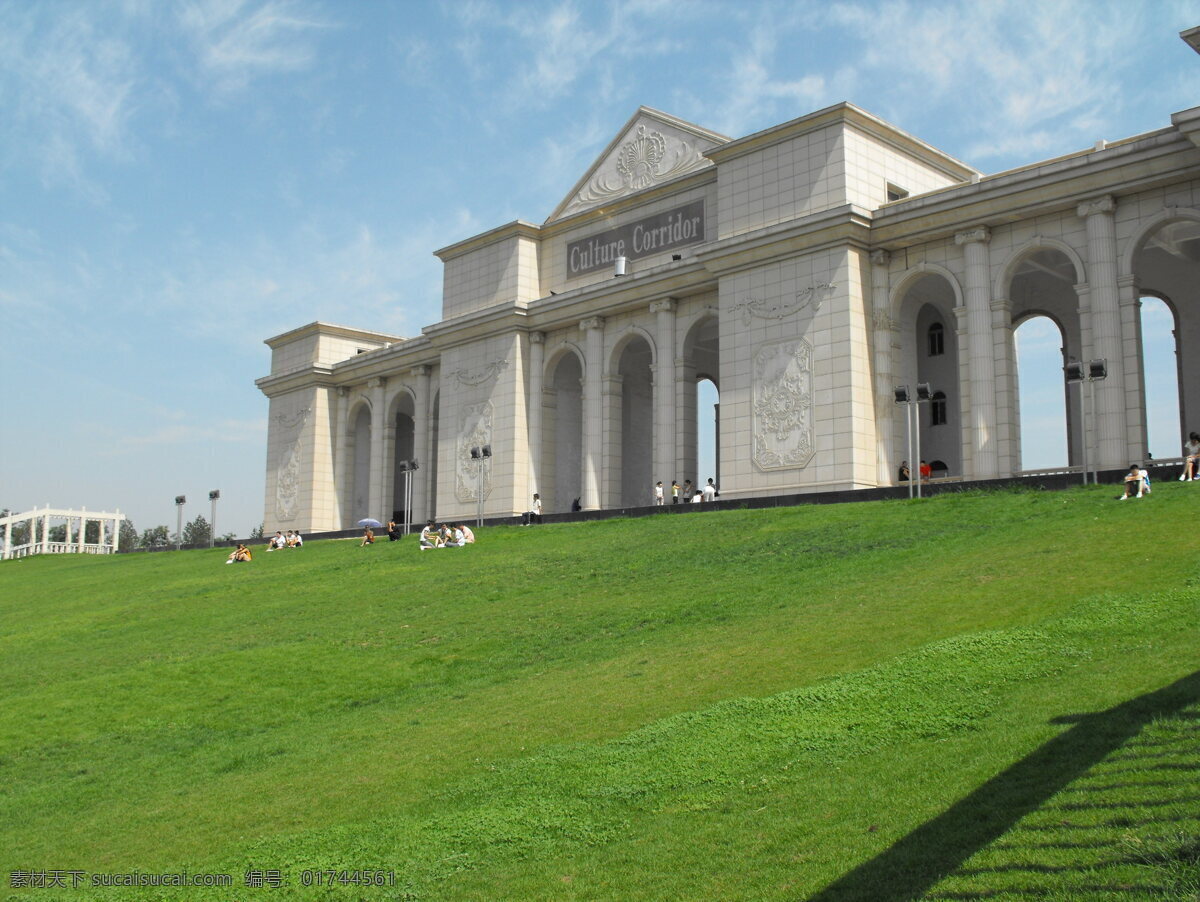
point(978, 696)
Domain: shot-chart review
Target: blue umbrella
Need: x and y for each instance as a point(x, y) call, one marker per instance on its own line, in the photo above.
point(367, 521)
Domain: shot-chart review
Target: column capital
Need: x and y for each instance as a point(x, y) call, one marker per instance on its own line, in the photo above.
point(537, 338)
point(977, 235)
point(881, 319)
point(880, 257)
point(343, 392)
point(422, 369)
point(1104, 204)
point(1127, 281)
point(665, 305)
point(592, 322)
point(377, 382)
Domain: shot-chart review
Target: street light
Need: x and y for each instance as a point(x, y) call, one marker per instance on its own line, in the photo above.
point(212, 529)
point(1097, 370)
point(407, 467)
point(910, 403)
point(180, 501)
point(481, 454)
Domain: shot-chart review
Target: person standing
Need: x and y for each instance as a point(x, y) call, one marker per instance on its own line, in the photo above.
point(710, 490)
point(689, 491)
point(674, 491)
point(658, 494)
point(535, 514)
point(926, 471)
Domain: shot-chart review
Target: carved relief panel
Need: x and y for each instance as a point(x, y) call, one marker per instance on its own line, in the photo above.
point(783, 405)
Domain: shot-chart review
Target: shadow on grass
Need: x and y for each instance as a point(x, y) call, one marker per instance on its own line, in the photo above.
point(912, 865)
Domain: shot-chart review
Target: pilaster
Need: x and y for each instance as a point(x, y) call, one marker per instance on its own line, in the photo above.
point(980, 354)
point(593, 411)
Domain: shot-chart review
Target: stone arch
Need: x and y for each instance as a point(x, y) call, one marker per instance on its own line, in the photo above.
point(925, 295)
point(627, 335)
point(1127, 259)
point(562, 428)
point(700, 351)
point(629, 415)
point(1071, 421)
point(401, 419)
point(1006, 272)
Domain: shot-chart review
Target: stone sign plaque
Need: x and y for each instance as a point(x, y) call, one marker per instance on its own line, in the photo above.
point(634, 240)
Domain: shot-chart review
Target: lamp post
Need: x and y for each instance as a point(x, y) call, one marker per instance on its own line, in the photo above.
point(180, 501)
point(913, 412)
point(482, 455)
point(1097, 370)
point(407, 467)
point(212, 529)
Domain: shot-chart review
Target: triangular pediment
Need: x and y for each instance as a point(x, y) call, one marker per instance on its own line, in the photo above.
point(653, 147)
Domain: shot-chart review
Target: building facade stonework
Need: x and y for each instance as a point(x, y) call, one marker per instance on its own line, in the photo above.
point(806, 270)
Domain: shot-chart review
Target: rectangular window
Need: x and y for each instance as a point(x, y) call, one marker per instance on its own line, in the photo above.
point(895, 192)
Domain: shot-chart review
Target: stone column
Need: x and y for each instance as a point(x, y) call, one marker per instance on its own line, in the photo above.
point(982, 363)
point(1104, 302)
point(1005, 356)
point(612, 478)
point(884, 328)
point(341, 467)
point(378, 424)
point(664, 390)
point(1137, 438)
point(116, 536)
point(421, 434)
point(83, 528)
point(685, 422)
point(8, 540)
point(593, 411)
point(388, 493)
point(45, 534)
point(537, 363)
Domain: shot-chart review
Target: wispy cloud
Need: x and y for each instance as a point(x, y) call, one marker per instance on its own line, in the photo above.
point(235, 41)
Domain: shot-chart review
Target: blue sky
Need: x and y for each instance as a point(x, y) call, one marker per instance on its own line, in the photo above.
point(180, 180)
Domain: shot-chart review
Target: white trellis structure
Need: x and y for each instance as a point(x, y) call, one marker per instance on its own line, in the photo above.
point(39, 522)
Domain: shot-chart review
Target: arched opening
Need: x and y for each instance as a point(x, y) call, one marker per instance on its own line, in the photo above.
point(696, 410)
point(562, 434)
point(708, 431)
point(1162, 371)
point(1045, 309)
point(360, 481)
point(1165, 264)
point(634, 435)
point(403, 449)
point(929, 353)
point(1041, 405)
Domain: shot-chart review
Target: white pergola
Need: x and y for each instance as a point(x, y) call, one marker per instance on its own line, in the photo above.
point(75, 521)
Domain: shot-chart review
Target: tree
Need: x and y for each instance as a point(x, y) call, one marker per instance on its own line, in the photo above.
point(197, 532)
point(20, 532)
point(155, 537)
point(257, 532)
point(128, 539)
point(58, 533)
point(228, 537)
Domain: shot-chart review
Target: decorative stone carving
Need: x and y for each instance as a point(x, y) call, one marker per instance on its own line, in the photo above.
point(665, 305)
point(481, 375)
point(287, 476)
point(881, 319)
point(970, 236)
point(752, 307)
point(1105, 204)
point(422, 369)
point(475, 431)
point(592, 322)
point(783, 405)
point(647, 158)
point(881, 257)
point(537, 338)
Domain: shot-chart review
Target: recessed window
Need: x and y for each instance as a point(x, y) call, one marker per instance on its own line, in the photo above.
point(937, 340)
point(937, 410)
point(895, 192)
point(362, 350)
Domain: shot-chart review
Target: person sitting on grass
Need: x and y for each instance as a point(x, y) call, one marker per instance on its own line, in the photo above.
point(276, 541)
point(239, 554)
point(368, 537)
point(457, 539)
point(294, 540)
point(1136, 482)
point(393, 531)
point(430, 537)
point(468, 535)
point(1191, 454)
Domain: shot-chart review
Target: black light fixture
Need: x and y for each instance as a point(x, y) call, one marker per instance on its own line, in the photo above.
point(923, 392)
point(1098, 369)
point(1074, 371)
point(676, 256)
point(901, 394)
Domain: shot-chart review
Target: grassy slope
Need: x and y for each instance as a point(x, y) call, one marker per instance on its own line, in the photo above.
point(543, 712)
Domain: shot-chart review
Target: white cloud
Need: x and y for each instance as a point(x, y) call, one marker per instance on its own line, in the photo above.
point(235, 42)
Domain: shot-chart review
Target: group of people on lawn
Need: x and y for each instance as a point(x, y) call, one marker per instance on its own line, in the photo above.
point(688, 493)
point(1137, 480)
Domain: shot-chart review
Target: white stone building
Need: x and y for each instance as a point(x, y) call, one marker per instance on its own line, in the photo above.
point(806, 270)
